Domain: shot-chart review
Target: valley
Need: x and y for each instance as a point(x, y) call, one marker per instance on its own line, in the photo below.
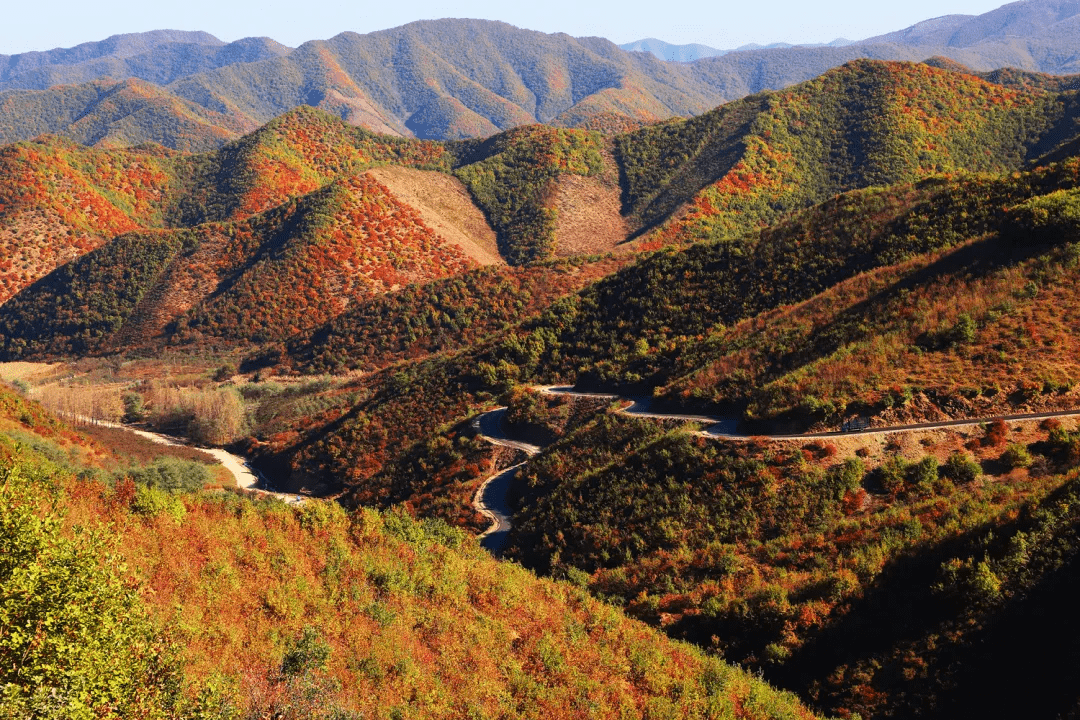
point(769, 411)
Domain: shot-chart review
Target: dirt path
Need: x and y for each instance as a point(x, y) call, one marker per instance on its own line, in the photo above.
point(246, 477)
point(492, 499)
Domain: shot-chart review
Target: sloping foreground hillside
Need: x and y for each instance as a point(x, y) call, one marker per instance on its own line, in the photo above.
point(914, 574)
point(868, 572)
point(131, 601)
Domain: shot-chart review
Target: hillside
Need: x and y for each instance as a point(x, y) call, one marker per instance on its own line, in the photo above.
point(977, 331)
point(779, 554)
point(214, 605)
point(293, 226)
point(1040, 34)
point(436, 317)
point(890, 586)
point(277, 233)
point(686, 326)
point(868, 123)
point(59, 200)
point(1012, 77)
point(112, 114)
point(287, 270)
point(641, 329)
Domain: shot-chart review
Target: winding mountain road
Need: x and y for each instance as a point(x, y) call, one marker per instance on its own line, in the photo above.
point(723, 427)
point(492, 498)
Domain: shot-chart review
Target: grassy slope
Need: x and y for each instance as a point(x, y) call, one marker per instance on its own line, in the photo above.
point(234, 608)
point(59, 200)
point(345, 240)
point(632, 328)
point(440, 316)
point(512, 176)
point(982, 330)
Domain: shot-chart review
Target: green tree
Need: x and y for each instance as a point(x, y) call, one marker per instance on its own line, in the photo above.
point(1016, 456)
point(961, 468)
point(74, 639)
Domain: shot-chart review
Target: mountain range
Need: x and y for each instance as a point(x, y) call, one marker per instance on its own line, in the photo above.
point(455, 79)
point(696, 51)
point(304, 203)
point(782, 394)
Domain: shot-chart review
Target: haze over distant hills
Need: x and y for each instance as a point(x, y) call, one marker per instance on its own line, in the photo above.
point(159, 56)
point(696, 51)
point(1032, 35)
point(456, 79)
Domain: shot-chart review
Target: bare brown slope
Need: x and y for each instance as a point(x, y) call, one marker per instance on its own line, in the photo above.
point(445, 206)
point(588, 219)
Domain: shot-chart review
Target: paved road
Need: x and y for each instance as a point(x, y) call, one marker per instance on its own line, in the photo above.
point(492, 499)
point(723, 427)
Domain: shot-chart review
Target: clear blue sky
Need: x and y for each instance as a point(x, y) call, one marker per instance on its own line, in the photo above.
point(45, 24)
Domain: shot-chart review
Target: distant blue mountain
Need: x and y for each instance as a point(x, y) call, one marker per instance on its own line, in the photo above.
point(667, 51)
point(696, 51)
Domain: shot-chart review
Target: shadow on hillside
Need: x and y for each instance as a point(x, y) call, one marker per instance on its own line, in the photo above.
point(1023, 660)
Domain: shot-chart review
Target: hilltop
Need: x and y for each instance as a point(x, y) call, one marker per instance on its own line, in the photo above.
point(442, 79)
point(159, 57)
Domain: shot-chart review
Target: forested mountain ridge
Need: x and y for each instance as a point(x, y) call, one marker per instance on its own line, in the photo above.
point(158, 56)
point(867, 123)
point(455, 79)
point(1032, 35)
point(724, 174)
point(445, 79)
point(279, 231)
